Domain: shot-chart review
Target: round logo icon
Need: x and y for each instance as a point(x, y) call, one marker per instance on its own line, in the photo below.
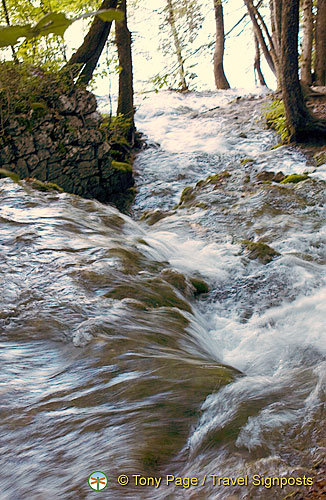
point(97, 480)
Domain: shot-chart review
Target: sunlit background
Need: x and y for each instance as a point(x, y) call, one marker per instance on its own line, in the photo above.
point(144, 23)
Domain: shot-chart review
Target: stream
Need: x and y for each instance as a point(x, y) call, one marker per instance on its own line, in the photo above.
point(160, 343)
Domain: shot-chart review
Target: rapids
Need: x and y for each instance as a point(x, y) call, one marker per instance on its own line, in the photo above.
point(112, 359)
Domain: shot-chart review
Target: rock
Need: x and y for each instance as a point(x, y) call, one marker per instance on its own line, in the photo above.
point(279, 177)
point(265, 176)
point(42, 140)
point(22, 168)
point(66, 105)
point(103, 150)
point(153, 216)
point(24, 145)
point(85, 102)
point(32, 161)
point(43, 154)
point(294, 178)
point(261, 251)
point(65, 145)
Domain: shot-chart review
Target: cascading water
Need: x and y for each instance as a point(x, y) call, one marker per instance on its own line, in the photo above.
point(113, 360)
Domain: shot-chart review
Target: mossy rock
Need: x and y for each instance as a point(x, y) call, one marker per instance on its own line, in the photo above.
point(202, 205)
point(154, 293)
point(247, 160)
point(45, 186)
point(200, 285)
point(122, 166)
point(187, 194)
point(153, 216)
point(294, 178)
point(216, 178)
point(320, 158)
point(261, 251)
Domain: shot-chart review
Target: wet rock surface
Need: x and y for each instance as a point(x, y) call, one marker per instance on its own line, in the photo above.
point(64, 145)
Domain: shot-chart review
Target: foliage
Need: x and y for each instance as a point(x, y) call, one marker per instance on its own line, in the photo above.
point(25, 89)
point(51, 23)
point(275, 118)
point(188, 21)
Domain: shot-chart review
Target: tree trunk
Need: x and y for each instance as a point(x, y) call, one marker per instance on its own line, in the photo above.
point(177, 45)
point(91, 49)
point(320, 68)
point(4, 5)
point(260, 36)
point(300, 123)
point(308, 25)
point(220, 78)
point(126, 93)
point(257, 67)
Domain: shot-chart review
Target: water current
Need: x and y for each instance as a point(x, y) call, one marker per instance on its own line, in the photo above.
point(159, 343)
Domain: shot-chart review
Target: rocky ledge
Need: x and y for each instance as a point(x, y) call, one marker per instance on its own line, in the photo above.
point(64, 145)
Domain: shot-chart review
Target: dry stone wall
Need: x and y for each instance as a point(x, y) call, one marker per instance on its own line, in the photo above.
point(65, 146)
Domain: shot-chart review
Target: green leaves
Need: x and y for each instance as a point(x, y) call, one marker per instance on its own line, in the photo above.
point(9, 35)
point(54, 22)
point(111, 15)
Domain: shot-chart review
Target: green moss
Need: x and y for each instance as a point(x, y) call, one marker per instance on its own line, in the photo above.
point(294, 178)
point(187, 194)
point(276, 146)
point(216, 178)
point(200, 285)
point(275, 118)
point(24, 88)
point(261, 251)
point(247, 160)
point(62, 148)
point(122, 166)
point(154, 293)
point(45, 186)
point(6, 173)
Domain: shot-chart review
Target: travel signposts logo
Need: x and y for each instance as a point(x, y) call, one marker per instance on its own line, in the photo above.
point(97, 480)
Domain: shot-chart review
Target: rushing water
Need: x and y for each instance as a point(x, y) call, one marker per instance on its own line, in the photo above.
point(111, 361)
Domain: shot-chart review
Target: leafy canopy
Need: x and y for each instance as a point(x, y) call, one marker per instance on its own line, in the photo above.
point(52, 23)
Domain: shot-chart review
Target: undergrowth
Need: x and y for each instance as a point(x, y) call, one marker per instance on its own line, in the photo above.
point(25, 89)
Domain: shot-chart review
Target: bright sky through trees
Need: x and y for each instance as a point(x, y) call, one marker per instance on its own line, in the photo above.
point(144, 23)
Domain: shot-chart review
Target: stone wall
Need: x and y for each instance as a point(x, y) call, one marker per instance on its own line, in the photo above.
point(64, 145)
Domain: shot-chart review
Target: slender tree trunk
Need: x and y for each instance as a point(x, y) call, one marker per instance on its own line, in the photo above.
point(126, 93)
point(91, 49)
point(320, 68)
point(308, 25)
point(260, 36)
point(257, 67)
point(220, 78)
point(177, 45)
point(4, 5)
